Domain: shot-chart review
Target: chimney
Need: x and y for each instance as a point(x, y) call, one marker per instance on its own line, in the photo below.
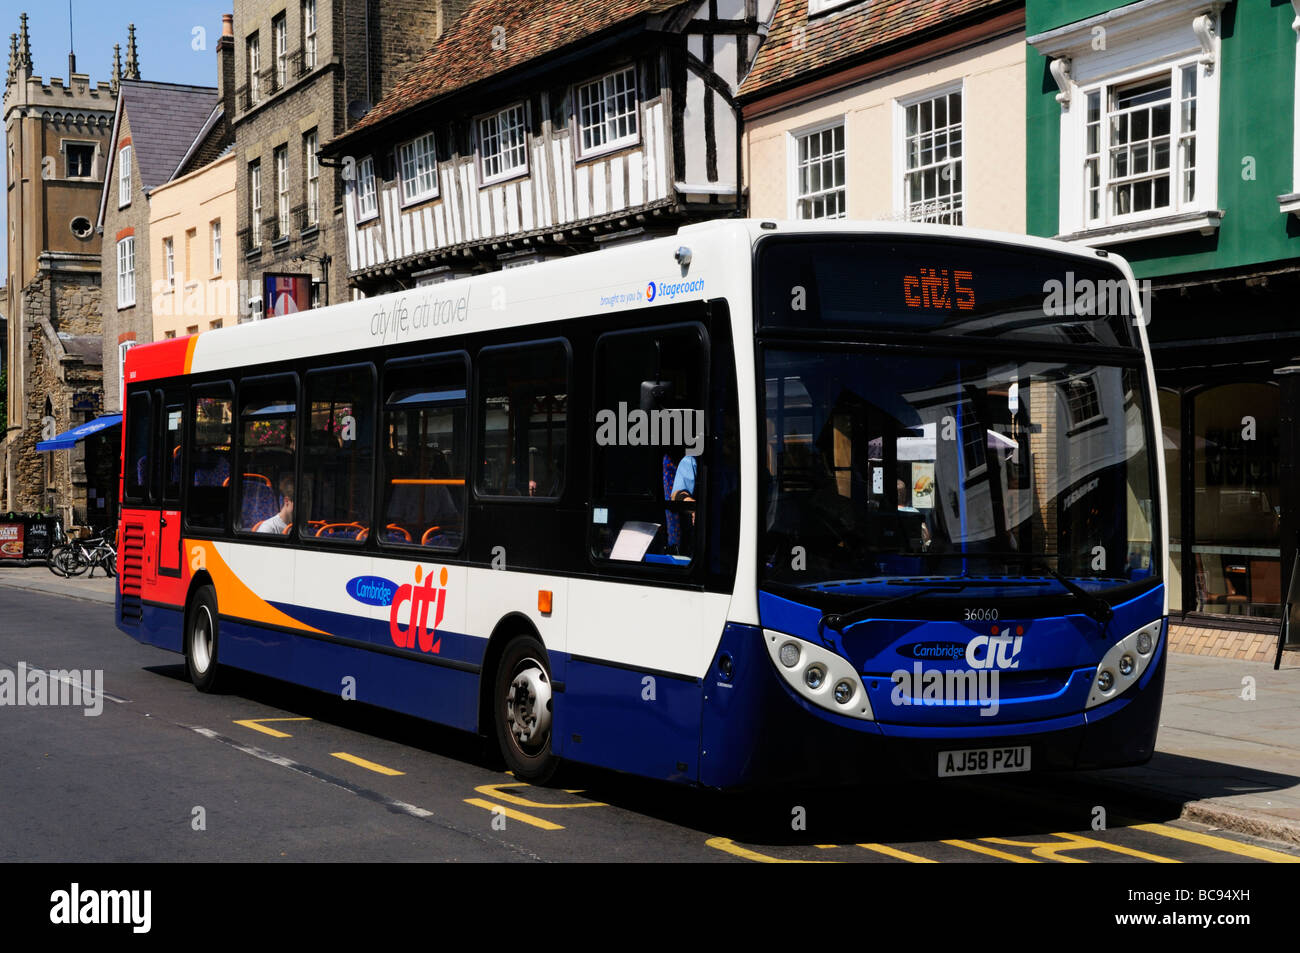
point(226, 67)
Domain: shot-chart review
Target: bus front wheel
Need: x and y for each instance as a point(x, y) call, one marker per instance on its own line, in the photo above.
point(201, 640)
point(522, 705)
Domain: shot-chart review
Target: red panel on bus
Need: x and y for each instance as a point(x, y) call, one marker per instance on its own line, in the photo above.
point(161, 359)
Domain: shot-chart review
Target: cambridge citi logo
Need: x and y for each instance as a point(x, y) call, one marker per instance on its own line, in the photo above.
point(411, 606)
point(651, 291)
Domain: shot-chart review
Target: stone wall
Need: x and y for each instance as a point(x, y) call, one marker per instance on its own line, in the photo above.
point(61, 325)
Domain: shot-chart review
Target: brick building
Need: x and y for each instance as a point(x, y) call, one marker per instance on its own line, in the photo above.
point(305, 70)
point(57, 137)
point(158, 130)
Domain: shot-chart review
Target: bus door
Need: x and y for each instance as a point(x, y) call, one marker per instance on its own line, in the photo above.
point(140, 482)
point(170, 406)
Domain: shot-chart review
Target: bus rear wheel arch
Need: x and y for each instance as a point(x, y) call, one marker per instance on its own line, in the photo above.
point(522, 708)
point(202, 638)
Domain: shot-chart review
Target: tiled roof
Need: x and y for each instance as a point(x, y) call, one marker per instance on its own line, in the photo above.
point(845, 33)
point(165, 118)
point(528, 29)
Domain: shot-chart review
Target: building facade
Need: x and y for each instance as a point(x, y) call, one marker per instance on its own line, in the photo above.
point(1167, 131)
point(158, 128)
point(305, 70)
point(57, 138)
point(905, 110)
point(535, 130)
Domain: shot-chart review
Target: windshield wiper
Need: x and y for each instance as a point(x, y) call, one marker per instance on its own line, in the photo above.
point(1096, 608)
point(843, 620)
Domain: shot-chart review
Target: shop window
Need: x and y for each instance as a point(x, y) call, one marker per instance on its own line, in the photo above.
point(1236, 550)
point(338, 456)
point(1171, 421)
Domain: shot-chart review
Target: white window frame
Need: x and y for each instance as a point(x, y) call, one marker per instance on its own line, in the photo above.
point(365, 190)
point(822, 6)
point(126, 272)
point(312, 150)
point(124, 177)
point(793, 138)
point(121, 368)
point(214, 230)
point(417, 159)
point(253, 53)
point(282, 211)
point(901, 170)
point(607, 144)
point(169, 262)
point(255, 202)
point(1143, 41)
point(309, 34)
point(280, 49)
point(1290, 204)
point(1177, 159)
point(509, 114)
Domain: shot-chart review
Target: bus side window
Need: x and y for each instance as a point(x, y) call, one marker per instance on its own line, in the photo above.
point(171, 451)
point(139, 429)
point(523, 399)
point(651, 388)
point(209, 463)
point(424, 451)
point(338, 454)
point(268, 422)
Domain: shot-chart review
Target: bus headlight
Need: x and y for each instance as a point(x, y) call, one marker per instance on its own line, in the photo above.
point(1124, 663)
point(809, 668)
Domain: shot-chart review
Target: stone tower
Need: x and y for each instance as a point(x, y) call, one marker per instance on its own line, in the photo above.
point(57, 136)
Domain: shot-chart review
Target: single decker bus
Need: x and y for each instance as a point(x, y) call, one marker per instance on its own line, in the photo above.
point(762, 502)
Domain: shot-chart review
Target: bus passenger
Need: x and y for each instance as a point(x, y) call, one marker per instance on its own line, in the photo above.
point(281, 521)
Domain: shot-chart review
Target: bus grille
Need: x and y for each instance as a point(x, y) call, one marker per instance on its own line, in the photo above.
point(132, 572)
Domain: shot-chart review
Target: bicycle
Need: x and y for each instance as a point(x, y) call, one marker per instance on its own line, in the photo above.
point(79, 555)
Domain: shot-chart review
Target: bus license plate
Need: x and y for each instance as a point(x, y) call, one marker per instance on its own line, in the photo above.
point(983, 761)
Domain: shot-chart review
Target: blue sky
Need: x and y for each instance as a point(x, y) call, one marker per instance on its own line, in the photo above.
point(170, 49)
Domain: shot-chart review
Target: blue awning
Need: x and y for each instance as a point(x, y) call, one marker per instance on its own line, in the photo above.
point(69, 439)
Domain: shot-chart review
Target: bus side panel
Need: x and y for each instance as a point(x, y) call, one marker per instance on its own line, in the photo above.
point(161, 626)
point(642, 722)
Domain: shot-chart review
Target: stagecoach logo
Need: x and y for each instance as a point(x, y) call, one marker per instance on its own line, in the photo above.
point(650, 291)
point(414, 626)
point(372, 590)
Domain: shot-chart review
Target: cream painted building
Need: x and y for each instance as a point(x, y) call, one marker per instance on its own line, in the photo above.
point(192, 251)
point(925, 123)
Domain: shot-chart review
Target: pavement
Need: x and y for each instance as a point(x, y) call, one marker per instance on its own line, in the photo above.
point(1227, 755)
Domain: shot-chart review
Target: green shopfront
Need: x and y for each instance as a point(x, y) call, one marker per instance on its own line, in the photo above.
point(1165, 131)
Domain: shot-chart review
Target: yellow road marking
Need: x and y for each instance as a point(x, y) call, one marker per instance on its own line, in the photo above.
point(1218, 843)
point(826, 846)
point(363, 763)
point(512, 813)
point(257, 724)
point(899, 854)
point(981, 849)
point(494, 790)
point(1053, 851)
point(728, 846)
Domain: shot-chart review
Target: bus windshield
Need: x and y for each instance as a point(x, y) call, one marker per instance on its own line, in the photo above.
point(908, 466)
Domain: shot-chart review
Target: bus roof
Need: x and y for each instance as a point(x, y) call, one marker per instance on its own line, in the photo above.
point(611, 281)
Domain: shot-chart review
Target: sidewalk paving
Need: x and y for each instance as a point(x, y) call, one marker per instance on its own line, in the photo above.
point(1228, 752)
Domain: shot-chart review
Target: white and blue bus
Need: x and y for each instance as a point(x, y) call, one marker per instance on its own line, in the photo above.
point(763, 502)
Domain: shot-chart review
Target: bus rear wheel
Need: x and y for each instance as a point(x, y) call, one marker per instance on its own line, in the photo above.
point(201, 640)
point(522, 705)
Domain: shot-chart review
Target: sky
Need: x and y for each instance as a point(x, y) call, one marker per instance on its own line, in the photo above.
point(176, 42)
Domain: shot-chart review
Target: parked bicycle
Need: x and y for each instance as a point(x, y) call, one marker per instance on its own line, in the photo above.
point(91, 552)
